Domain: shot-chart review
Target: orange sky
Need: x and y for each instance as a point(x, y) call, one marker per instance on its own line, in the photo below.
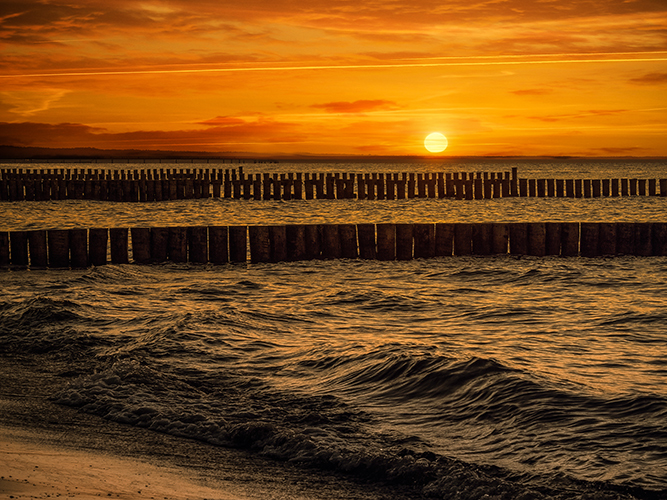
point(497, 77)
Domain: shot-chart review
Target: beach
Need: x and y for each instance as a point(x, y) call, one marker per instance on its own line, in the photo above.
point(51, 451)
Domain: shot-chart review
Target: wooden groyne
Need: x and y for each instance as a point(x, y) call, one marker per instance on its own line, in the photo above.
point(150, 185)
point(80, 248)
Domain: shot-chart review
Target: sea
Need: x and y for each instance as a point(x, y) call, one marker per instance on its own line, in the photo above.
point(463, 377)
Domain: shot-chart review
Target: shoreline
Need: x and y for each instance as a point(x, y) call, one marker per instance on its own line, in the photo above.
point(51, 450)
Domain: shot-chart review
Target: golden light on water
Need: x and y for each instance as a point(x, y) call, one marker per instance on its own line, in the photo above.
point(436, 142)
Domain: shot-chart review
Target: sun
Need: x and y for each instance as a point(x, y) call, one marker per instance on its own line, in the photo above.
point(435, 142)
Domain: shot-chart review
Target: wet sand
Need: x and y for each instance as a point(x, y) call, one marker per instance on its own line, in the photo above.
point(51, 451)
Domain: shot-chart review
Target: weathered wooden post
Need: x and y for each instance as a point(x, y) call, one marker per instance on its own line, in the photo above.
point(366, 235)
point(663, 187)
point(141, 244)
point(4, 249)
point(587, 188)
point(552, 238)
point(298, 187)
point(570, 239)
point(218, 244)
point(541, 191)
point(523, 188)
point(633, 187)
point(58, 242)
point(659, 243)
point(37, 249)
point(331, 247)
point(607, 238)
point(590, 239)
point(462, 238)
point(625, 238)
point(313, 237)
point(499, 238)
point(198, 244)
point(78, 245)
point(97, 246)
point(595, 184)
point(386, 241)
point(652, 184)
point(482, 238)
point(537, 239)
point(624, 187)
point(296, 242)
point(560, 188)
point(19, 248)
point(614, 187)
point(424, 241)
point(643, 239)
point(532, 188)
point(119, 246)
point(348, 241)
point(641, 187)
point(519, 238)
point(404, 237)
point(238, 244)
point(159, 246)
point(260, 244)
point(278, 241)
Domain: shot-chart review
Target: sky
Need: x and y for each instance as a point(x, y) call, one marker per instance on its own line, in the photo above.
point(336, 77)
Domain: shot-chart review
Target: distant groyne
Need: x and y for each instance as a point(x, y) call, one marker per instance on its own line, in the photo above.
point(154, 185)
point(80, 248)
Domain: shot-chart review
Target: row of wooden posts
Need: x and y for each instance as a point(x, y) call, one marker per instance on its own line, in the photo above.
point(176, 184)
point(80, 248)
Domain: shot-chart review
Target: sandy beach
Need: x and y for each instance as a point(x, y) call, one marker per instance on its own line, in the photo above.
point(51, 451)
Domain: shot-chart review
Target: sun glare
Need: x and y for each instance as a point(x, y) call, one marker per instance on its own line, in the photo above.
point(435, 142)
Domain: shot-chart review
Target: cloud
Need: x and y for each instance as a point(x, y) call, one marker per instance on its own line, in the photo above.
point(361, 106)
point(28, 103)
point(582, 114)
point(650, 79)
point(223, 134)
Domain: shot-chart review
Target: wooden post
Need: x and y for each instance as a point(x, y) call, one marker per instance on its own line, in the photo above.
point(348, 241)
point(58, 248)
point(462, 239)
point(560, 188)
point(541, 191)
point(386, 241)
point(625, 238)
point(97, 244)
point(198, 244)
point(260, 244)
point(238, 244)
point(641, 187)
point(159, 251)
point(218, 244)
point(595, 184)
point(643, 239)
point(119, 247)
point(141, 244)
point(607, 238)
point(624, 187)
point(366, 234)
point(532, 188)
point(313, 237)
point(659, 243)
point(552, 238)
point(37, 249)
point(499, 238)
point(569, 188)
point(663, 187)
point(331, 248)
point(570, 239)
point(590, 239)
point(424, 238)
point(519, 238)
point(404, 237)
point(633, 187)
point(537, 239)
point(78, 245)
point(296, 242)
point(19, 248)
point(278, 240)
point(178, 244)
point(482, 238)
point(523, 187)
point(614, 187)
point(4, 249)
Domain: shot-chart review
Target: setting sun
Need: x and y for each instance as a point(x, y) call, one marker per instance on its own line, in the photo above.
point(435, 142)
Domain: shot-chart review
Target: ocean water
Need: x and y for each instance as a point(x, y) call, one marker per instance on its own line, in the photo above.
point(462, 376)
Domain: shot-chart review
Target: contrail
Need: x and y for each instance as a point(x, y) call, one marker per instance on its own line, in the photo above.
point(511, 61)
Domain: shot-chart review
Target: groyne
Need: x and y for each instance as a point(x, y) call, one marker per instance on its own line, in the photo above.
point(80, 248)
point(154, 185)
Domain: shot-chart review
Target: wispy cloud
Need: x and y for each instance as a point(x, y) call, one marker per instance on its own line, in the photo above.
point(361, 106)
